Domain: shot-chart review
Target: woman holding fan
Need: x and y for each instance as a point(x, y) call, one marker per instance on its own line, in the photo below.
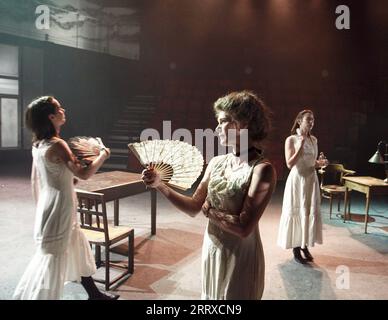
point(63, 252)
point(233, 195)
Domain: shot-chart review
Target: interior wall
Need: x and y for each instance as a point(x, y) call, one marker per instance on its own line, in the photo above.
point(194, 51)
point(289, 52)
point(92, 87)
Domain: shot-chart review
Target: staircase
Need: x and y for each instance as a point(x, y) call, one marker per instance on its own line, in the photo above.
point(134, 118)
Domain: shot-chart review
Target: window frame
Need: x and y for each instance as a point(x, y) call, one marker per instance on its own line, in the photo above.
point(18, 104)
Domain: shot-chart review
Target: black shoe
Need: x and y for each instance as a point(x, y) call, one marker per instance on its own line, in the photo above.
point(298, 257)
point(106, 296)
point(307, 254)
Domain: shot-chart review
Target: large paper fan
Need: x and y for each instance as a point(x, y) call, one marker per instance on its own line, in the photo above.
point(86, 149)
point(179, 163)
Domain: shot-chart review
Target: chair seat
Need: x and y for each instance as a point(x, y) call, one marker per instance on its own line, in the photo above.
point(114, 233)
point(334, 188)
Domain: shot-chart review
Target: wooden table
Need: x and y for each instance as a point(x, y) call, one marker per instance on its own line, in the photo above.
point(116, 185)
point(368, 185)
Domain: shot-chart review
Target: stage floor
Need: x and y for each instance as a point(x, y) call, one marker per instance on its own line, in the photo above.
point(168, 265)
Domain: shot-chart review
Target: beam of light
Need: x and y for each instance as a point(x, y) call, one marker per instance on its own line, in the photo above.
point(281, 8)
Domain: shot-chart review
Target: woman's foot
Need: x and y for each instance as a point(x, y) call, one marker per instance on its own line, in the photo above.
point(307, 254)
point(94, 293)
point(105, 296)
point(298, 257)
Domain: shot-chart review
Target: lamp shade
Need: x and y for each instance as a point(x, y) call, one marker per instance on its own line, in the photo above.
point(376, 158)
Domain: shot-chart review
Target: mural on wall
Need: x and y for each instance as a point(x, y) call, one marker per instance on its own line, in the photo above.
point(83, 24)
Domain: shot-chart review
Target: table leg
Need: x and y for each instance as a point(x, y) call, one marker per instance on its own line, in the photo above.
point(153, 212)
point(346, 202)
point(116, 212)
point(331, 205)
point(98, 255)
point(367, 210)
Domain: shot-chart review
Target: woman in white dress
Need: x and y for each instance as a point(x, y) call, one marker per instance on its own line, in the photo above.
point(300, 222)
point(62, 251)
point(233, 194)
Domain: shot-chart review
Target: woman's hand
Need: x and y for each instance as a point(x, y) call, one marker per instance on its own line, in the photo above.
point(106, 153)
point(205, 208)
point(302, 139)
point(151, 178)
point(300, 142)
point(103, 148)
point(322, 163)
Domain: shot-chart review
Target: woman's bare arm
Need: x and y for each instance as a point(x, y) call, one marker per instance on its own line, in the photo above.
point(291, 153)
point(60, 152)
point(34, 182)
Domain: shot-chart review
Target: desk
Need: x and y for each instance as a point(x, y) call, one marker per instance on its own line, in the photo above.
point(368, 185)
point(116, 185)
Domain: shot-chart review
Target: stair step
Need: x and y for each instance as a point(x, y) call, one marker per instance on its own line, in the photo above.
point(131, 117)
point(143, 115)
point(141, 96)
point(131, 131)
point(118, 156)
point(146, 111)
point(115, 144)
point(119, 150)
point(132, 121)
point(133, 124)
point(115, 160)
point(149, 101)
point(121, 144)
point(138, 110)
point(129, 136)
point(123, 126)
point(114, 166)
point(138, 106)
point(141, 101)
point(120, 125)
point(119, 137)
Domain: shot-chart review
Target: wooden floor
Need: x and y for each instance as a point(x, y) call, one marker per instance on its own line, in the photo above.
point(349, 265)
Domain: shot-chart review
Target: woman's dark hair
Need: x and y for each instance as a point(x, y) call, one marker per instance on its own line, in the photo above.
point(245, 106)
point(298, 119)
point(37, 118)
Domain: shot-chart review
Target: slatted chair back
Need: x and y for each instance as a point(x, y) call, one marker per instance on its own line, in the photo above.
point(92, 210)
point(333, 174)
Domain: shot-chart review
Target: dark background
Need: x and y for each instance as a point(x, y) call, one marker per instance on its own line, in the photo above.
point(194, 51)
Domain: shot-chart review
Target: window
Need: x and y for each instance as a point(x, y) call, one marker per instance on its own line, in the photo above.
point(9, 97)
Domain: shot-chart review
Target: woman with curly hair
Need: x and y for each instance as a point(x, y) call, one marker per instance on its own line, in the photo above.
point(233, 195)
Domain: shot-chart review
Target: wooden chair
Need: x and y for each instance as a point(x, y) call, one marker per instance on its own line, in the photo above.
point(94, 222)
point(332, 185)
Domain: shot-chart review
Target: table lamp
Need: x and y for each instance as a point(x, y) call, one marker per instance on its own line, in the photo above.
point(378, 158)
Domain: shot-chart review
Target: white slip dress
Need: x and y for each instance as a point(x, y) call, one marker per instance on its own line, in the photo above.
point(232, 267)
point(300, 222)
point(62, 250)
